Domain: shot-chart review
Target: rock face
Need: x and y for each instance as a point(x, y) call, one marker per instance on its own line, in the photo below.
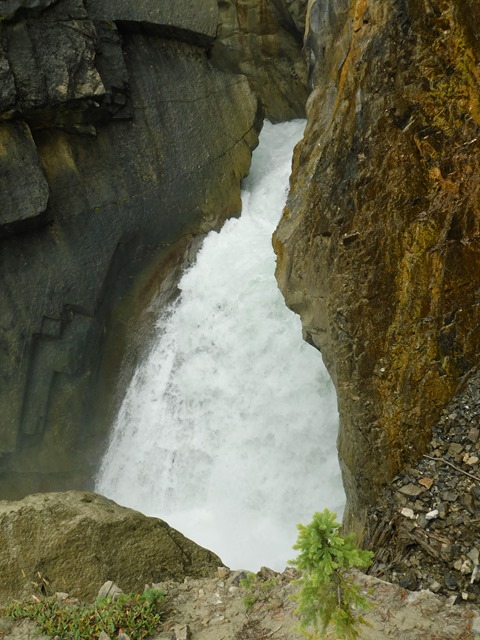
point(263, 39)
point(378, 246)
point(25, 204)
point(77, 541)
point(119, 143)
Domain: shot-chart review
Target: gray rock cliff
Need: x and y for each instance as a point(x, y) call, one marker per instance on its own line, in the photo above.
point(263, 39)
point(121, 141)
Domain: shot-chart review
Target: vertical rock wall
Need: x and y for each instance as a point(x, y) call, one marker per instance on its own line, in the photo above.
point(378, 248)
point(121, 141)
point(263, 40)
point(117, 144)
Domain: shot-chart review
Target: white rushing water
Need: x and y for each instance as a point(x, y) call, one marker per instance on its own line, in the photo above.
point(228, 428)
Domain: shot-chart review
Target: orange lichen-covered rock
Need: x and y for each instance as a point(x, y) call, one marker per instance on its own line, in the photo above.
point(378, 248)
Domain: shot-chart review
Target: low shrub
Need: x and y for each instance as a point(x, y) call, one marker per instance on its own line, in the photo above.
point(137, 615)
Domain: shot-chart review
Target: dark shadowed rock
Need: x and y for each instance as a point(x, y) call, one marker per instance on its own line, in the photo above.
point(182, 19)
point(8, 8)
point(23, 187)
point(142, 145)
point(7, 84)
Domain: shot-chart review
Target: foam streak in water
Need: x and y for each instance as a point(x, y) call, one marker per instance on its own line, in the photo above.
point(228, 429)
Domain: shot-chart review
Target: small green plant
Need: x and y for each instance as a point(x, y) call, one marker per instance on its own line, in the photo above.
point(255, 589)
point(328, 595)
point(136, 614)
point(248, 587)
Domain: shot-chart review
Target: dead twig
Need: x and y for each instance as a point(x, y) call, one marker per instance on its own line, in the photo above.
point(470, 475)
point(274, 631)
point(429, 549)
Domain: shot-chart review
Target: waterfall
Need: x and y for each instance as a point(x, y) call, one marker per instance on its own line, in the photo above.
point(228, 428)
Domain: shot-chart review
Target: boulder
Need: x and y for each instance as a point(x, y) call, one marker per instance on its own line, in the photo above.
point(76, 541)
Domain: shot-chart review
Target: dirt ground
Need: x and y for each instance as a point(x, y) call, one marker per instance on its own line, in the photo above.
point(214, 609)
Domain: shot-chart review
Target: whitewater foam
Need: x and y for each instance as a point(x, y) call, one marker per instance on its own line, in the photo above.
point(228, 428)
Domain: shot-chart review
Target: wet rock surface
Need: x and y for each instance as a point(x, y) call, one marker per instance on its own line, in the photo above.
point(263, 39)
point(121, 145)
point(425, 531)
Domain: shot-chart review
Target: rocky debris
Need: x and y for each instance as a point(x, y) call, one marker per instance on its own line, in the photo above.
point(182, 632)
point(430, 538)
point(109, 590)
point(213, 609)
point(73, 541)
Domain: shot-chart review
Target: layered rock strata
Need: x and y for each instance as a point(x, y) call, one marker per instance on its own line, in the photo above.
point(118, 144)
point(125, 129)
point(378, 245)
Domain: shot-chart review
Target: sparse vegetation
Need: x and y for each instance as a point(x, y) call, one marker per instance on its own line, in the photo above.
point(328, 594)
point(136, 614)
point(255, 589)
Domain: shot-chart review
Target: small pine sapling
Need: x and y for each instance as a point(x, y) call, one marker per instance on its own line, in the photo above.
point(328, 595)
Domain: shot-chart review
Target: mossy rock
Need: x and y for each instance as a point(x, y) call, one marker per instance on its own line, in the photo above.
point(75, 541)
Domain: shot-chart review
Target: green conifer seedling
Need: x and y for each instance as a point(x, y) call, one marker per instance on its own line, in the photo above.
point(328, 595)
